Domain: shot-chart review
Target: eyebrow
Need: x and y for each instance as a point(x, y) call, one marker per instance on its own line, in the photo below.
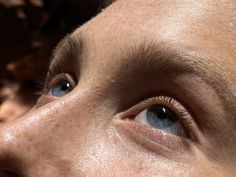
point(68, 50)
point(161, 57)
point(149, 54)
point(66, 58)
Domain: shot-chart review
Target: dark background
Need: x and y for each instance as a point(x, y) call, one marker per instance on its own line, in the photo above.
point(29, 30)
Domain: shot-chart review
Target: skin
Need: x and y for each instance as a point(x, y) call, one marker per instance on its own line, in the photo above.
point(133, 51)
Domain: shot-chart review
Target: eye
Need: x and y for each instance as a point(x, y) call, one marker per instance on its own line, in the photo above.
point(160, 124)
point(161, 117)
point(61, 85)
point(60, 89)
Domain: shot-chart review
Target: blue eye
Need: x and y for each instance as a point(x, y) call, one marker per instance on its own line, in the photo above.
point(60, 89)
point(162, 118)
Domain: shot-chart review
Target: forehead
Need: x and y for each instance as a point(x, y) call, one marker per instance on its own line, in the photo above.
point(196, 26)
point(190, 23)
point(185, 28)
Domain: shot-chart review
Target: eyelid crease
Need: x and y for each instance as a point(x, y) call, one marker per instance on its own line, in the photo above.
point(142, 57)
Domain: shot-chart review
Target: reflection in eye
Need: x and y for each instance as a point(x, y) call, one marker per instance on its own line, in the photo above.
point(60, 89)
point(162, 118)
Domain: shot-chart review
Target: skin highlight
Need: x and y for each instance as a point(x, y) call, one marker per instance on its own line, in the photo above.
point(118, 64)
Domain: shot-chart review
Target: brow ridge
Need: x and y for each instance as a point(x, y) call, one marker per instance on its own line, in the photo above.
point(181, 59)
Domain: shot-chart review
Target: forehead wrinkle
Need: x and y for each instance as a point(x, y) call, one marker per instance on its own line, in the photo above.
point(152, 56)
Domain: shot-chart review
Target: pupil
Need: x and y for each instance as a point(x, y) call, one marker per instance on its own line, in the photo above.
point(64, 86)
point(160, 117)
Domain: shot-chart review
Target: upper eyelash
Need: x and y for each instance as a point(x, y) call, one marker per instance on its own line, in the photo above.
point(182, 114)
point(172, 104)
point(52, 80)
point(156, 100)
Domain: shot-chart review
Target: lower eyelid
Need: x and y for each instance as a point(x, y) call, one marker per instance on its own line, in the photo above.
point(185, 118)
point(155, 141)
point(43, 100)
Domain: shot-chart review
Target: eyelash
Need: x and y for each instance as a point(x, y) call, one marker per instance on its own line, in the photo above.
point(167, 101)
point(181, 112)
point(53, 79)
point(157, 140)
point(172, 104)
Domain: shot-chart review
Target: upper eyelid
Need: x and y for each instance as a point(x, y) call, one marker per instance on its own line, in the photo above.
point(60, 76)
point(66, 58)
point(188, 123)
point(151, 55)
point(137, 108)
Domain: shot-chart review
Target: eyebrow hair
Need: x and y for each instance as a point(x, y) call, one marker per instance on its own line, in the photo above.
point(181, 59)
point(66, 57)
point(162, 57)
point(67, 49)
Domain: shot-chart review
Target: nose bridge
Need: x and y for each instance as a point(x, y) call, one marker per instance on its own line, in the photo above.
point(18, 140)
point(10, 148)
point(22, 140)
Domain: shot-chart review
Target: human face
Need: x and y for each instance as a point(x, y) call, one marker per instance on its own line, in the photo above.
point(146, 88)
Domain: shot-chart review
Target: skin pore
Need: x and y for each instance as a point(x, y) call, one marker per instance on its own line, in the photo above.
point(146, 88)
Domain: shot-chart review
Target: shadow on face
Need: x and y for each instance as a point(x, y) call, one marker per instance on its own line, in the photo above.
point(143, 89)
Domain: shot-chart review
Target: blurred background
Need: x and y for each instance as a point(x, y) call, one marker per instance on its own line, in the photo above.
point(29, 30)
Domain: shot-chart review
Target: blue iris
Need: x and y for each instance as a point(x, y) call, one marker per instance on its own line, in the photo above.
point(60, 89)
point(161, 117)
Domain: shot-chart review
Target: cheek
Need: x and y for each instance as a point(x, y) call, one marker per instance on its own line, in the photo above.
point(112, 154)
point(75, 135)
point(105, 151)
point(101, 158)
